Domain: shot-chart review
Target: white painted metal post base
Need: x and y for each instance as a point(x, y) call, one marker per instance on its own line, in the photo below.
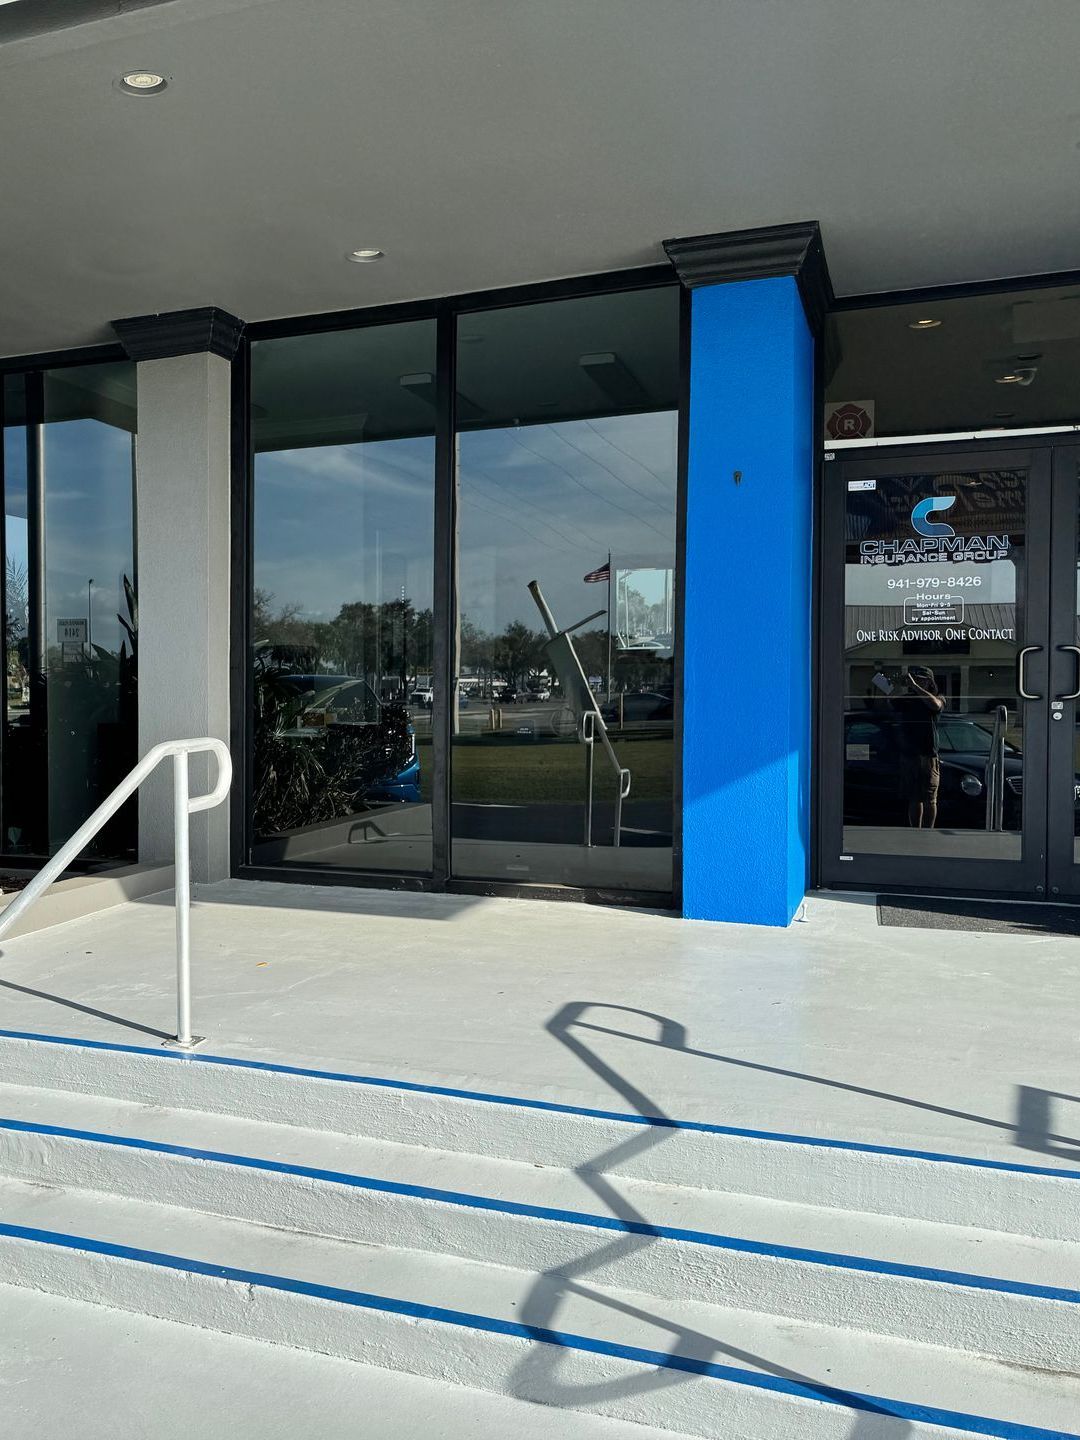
point(175, 1043)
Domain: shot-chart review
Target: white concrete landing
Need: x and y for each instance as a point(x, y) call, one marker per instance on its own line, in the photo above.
point(925, 1039)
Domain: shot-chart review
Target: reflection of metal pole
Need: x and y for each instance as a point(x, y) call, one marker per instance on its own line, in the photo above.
point(623, 782)
point(588, 731)
point(609, 627)
point(542, 606)
point(579, 694)
point(995, 772)
point(378, 607)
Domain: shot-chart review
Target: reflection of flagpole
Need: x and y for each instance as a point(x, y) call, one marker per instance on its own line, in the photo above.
point(609, 626)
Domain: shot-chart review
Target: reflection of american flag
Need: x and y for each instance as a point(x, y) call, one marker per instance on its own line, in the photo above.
point(604, 573)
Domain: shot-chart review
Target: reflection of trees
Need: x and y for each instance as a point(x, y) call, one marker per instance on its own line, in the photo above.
point(75, 742)
point(390, 643)
point(16, 641)
point(642, 617)
point(383, 642)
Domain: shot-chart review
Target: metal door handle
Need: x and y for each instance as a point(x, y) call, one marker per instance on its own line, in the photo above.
point(1073, 694)
point(1027, 650)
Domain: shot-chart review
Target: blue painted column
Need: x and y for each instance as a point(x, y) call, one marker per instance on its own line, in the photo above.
point(748, 622)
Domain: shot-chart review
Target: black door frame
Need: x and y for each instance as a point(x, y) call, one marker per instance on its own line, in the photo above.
point(445, 312)
point(1050, 613)
point(1063, 871)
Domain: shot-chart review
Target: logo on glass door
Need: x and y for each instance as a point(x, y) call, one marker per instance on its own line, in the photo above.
point(922, 525)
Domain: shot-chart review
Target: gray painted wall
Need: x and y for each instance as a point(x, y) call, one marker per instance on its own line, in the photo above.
point(182, 534)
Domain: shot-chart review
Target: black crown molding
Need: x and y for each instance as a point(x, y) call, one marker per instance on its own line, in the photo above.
point(757, 255)
point(180, 332)
point(24, 18)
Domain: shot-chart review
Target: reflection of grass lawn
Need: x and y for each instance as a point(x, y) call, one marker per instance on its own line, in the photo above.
point(538, 771)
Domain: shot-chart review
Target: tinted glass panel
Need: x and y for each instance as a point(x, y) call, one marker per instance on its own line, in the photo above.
point(566, 450)
point(25, 824)
point(343, 429)
point(934, 607)
point(1007, 361)
point(90, 619)
point(70, 697)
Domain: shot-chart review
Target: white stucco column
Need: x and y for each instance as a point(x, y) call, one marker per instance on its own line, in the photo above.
point(182, 539)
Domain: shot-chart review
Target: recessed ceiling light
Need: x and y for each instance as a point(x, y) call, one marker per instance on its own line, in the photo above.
point(923, 324)
point(364, 257)
point(143, 82)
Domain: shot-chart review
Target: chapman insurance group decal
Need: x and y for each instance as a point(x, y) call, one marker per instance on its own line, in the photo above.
point(938, 543)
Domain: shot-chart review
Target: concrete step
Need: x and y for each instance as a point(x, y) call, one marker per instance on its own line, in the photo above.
point(1024, 1199)
point(62, 1358)
point(991, 1293)
point(696, 1368)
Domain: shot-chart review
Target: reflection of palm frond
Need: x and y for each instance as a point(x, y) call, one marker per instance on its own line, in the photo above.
point(130, 625)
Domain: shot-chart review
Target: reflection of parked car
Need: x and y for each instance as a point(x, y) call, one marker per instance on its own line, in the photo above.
point(873, 770)
point(637, 707)
point(342, 701)
point(423, 698)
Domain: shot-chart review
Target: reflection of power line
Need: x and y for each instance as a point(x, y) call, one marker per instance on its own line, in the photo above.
point(574, 540)
point(510, 520)
point(667, 482)
point(604, 499)
point(613, 473)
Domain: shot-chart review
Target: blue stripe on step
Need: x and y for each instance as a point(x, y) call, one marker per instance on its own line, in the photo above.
point(558, 1216)
point(777, 1384)
point(549, 1106)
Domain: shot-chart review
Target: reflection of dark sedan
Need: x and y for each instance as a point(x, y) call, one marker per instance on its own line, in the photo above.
point(648, 706)
point(873, 768)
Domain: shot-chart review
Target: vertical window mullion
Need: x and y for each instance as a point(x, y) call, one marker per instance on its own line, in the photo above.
point(445, 608)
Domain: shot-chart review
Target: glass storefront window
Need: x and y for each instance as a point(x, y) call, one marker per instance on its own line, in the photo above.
point(567, 460)
point(343, 427)
point(70, 719)
point(1005, 361)
point(554, 680)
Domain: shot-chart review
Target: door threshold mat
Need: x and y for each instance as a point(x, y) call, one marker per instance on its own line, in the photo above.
point(1006, 917)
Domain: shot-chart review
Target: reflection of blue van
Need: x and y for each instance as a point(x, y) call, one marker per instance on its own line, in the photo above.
point(345, 700)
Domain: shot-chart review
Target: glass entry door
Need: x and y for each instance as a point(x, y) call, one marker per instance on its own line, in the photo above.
point(939, 667)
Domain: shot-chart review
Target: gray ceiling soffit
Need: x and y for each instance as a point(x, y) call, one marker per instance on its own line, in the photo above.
point(21, 19)
point(180, 332)
point(759, 254)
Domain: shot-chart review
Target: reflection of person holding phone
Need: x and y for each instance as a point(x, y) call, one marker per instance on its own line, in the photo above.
point(920, 769)
point(879, 690)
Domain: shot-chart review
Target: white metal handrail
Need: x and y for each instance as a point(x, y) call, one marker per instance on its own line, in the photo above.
point(184, 806)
